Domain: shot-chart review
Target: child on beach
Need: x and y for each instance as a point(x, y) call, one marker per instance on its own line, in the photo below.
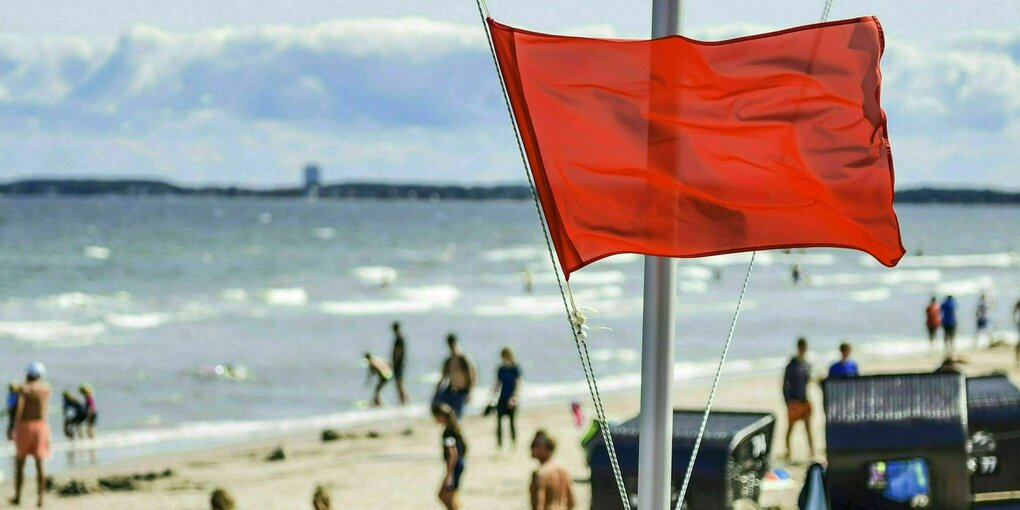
point(508, 385)
point(74, 415)
point(91, 411)
point(12, 405)
point(551, 488)
point(377, 367)
point(933, 319)
point(454, 450)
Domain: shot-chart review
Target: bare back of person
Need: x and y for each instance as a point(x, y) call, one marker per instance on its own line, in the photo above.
point(458, 371)
point(36, 397)
point(551, 489)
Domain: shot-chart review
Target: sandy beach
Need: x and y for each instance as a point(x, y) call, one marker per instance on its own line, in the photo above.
point(397, 465)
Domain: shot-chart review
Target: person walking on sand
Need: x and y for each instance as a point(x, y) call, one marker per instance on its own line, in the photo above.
point(399, 356)
point(933, 319)
point(91, 410)
point(31, 430)
point(798, 407)
point(507, 387)
point(457, 379)
point(845, 367)
point(551, 488)
point(378, 368)
point(454, 451)
point(948, 314)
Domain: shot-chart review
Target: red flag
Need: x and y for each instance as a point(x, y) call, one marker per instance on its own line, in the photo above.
point(681, 148)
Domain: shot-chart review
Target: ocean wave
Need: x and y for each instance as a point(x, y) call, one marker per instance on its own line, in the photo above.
point(375, 275)
point(584, 277)
point(967, 286)
point(871, 295)
point(408, 300)
point(292, 296)
point(73, 300)
point(514, 254)
point(884, 278)
point(53, 333)
point(325, 233)
point(1001, 260)
point(96, 252)
point(136, 321)
point(615, 355)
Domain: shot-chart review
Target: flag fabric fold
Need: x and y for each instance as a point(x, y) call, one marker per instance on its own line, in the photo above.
point(680, 148)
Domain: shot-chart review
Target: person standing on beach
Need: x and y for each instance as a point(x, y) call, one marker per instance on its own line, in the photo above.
point(981, 320)
point(31, 430)
point(933, 319)
point(508, 384)
point(845, 367)
point(795, 274)
point(13, 389)
point(377, 368)
point(551, 488)
point(1016, 321)
point(948, 313)
point(399, 356)
point(454, 451)
point(798, 408)
point(457, 379)
point(74, 415)
point(91, 410)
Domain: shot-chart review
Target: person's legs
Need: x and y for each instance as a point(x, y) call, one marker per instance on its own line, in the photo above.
point(499, 430)
point(19, 478)
point(40, 480)
point(810, 439)
point(513, 427)
point(401, 391)
point(377, 399)
point(446, 497)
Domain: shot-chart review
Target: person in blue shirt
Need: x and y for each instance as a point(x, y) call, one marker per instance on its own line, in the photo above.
point(508, 385)
point(948, 311)
point(845, 367)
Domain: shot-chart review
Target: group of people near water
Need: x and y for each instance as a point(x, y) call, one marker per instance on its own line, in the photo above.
point(943, 316)
point(550, 484)
point(28, 424)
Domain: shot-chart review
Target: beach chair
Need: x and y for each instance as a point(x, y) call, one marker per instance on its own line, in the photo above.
point(993, 408)
point(897, 442)
point(730, 466)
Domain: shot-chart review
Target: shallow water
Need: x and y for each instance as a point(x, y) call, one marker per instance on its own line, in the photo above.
point(143, 297)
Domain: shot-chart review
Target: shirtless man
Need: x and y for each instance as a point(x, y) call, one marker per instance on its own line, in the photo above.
point(457, 380)
point(551, 488)
point(31, 430)
point(377, 367)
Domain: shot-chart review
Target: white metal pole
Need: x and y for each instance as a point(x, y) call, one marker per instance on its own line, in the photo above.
point(655, 452)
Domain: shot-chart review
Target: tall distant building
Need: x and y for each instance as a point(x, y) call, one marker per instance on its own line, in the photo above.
point(312, 180)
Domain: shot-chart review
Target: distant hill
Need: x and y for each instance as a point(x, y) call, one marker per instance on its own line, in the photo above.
point(141, 187)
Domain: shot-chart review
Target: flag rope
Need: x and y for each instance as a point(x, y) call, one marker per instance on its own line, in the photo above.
point(574, 316)
point(715, 385)
point(722, 359)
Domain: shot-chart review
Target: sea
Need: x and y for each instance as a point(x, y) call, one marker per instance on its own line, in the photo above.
point(204, 321)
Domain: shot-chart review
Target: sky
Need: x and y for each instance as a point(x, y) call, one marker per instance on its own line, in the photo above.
point(248, 91)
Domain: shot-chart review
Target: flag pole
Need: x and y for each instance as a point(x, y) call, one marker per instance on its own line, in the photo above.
point(655, 452)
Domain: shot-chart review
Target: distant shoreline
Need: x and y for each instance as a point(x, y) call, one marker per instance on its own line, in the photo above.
point(398, 191)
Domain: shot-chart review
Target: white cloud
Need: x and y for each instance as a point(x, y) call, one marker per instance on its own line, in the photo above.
point(407, 98)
